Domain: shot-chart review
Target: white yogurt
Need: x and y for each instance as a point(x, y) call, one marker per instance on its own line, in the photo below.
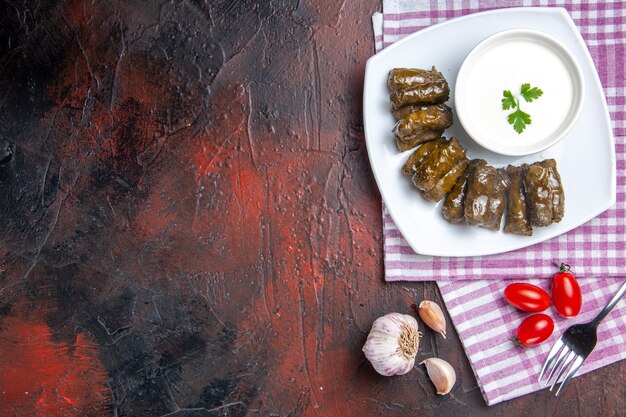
point(506, 63)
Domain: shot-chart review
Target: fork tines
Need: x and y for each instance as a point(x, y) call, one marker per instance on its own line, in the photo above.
point(564, 358)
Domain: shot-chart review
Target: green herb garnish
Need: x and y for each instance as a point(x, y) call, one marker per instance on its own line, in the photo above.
point(508, 102)
point(530, 94)
point(520, 119)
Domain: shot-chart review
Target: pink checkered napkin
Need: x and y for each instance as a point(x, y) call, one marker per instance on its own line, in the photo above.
point(485, 323)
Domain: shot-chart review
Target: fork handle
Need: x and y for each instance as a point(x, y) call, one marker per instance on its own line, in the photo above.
point(618, 295)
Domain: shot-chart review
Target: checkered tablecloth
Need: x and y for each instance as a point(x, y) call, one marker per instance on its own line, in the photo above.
point(473, 296)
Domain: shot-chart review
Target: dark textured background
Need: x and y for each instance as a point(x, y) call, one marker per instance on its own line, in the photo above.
point(188, 221)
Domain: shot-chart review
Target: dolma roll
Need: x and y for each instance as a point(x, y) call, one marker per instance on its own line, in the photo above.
point(411, 142)
point(436, 117)
point(516, 219)
point(403, 112)
point(421, 125)
point(446, 182)
point(405, 78)
point(437, 163)
point(452, 209)
point(485, 199)
point(558, 193)
point(544, 193)
point(416, 158)
point(426, 94)
point(416, 86)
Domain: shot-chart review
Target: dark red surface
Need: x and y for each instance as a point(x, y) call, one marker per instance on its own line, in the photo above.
point(189, 223)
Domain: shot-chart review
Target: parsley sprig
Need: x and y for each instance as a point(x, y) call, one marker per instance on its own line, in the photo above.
point(520, 119)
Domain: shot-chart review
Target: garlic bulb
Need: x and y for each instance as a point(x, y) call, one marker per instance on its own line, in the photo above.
point(392, 344)
point(432, 315)
point(441, 373)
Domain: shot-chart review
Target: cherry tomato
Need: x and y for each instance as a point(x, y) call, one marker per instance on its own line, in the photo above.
point(534, 330)
point(566, 293)
point(527, 297)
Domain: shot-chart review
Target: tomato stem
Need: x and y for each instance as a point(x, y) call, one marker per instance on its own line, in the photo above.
point(517, 342)
point(564, 267)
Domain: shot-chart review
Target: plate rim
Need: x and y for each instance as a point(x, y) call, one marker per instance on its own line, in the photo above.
point(595, 78)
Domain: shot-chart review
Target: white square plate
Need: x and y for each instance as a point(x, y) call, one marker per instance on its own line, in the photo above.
point(585, 157)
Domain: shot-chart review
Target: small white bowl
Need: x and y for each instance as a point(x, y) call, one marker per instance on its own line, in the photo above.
point(505, 61)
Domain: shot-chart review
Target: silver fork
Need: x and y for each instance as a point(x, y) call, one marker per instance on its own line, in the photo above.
point(574, 346)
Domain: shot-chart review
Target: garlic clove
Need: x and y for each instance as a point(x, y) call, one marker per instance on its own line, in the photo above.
point(392, 344)
point(441, 373)
point(432, 315)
